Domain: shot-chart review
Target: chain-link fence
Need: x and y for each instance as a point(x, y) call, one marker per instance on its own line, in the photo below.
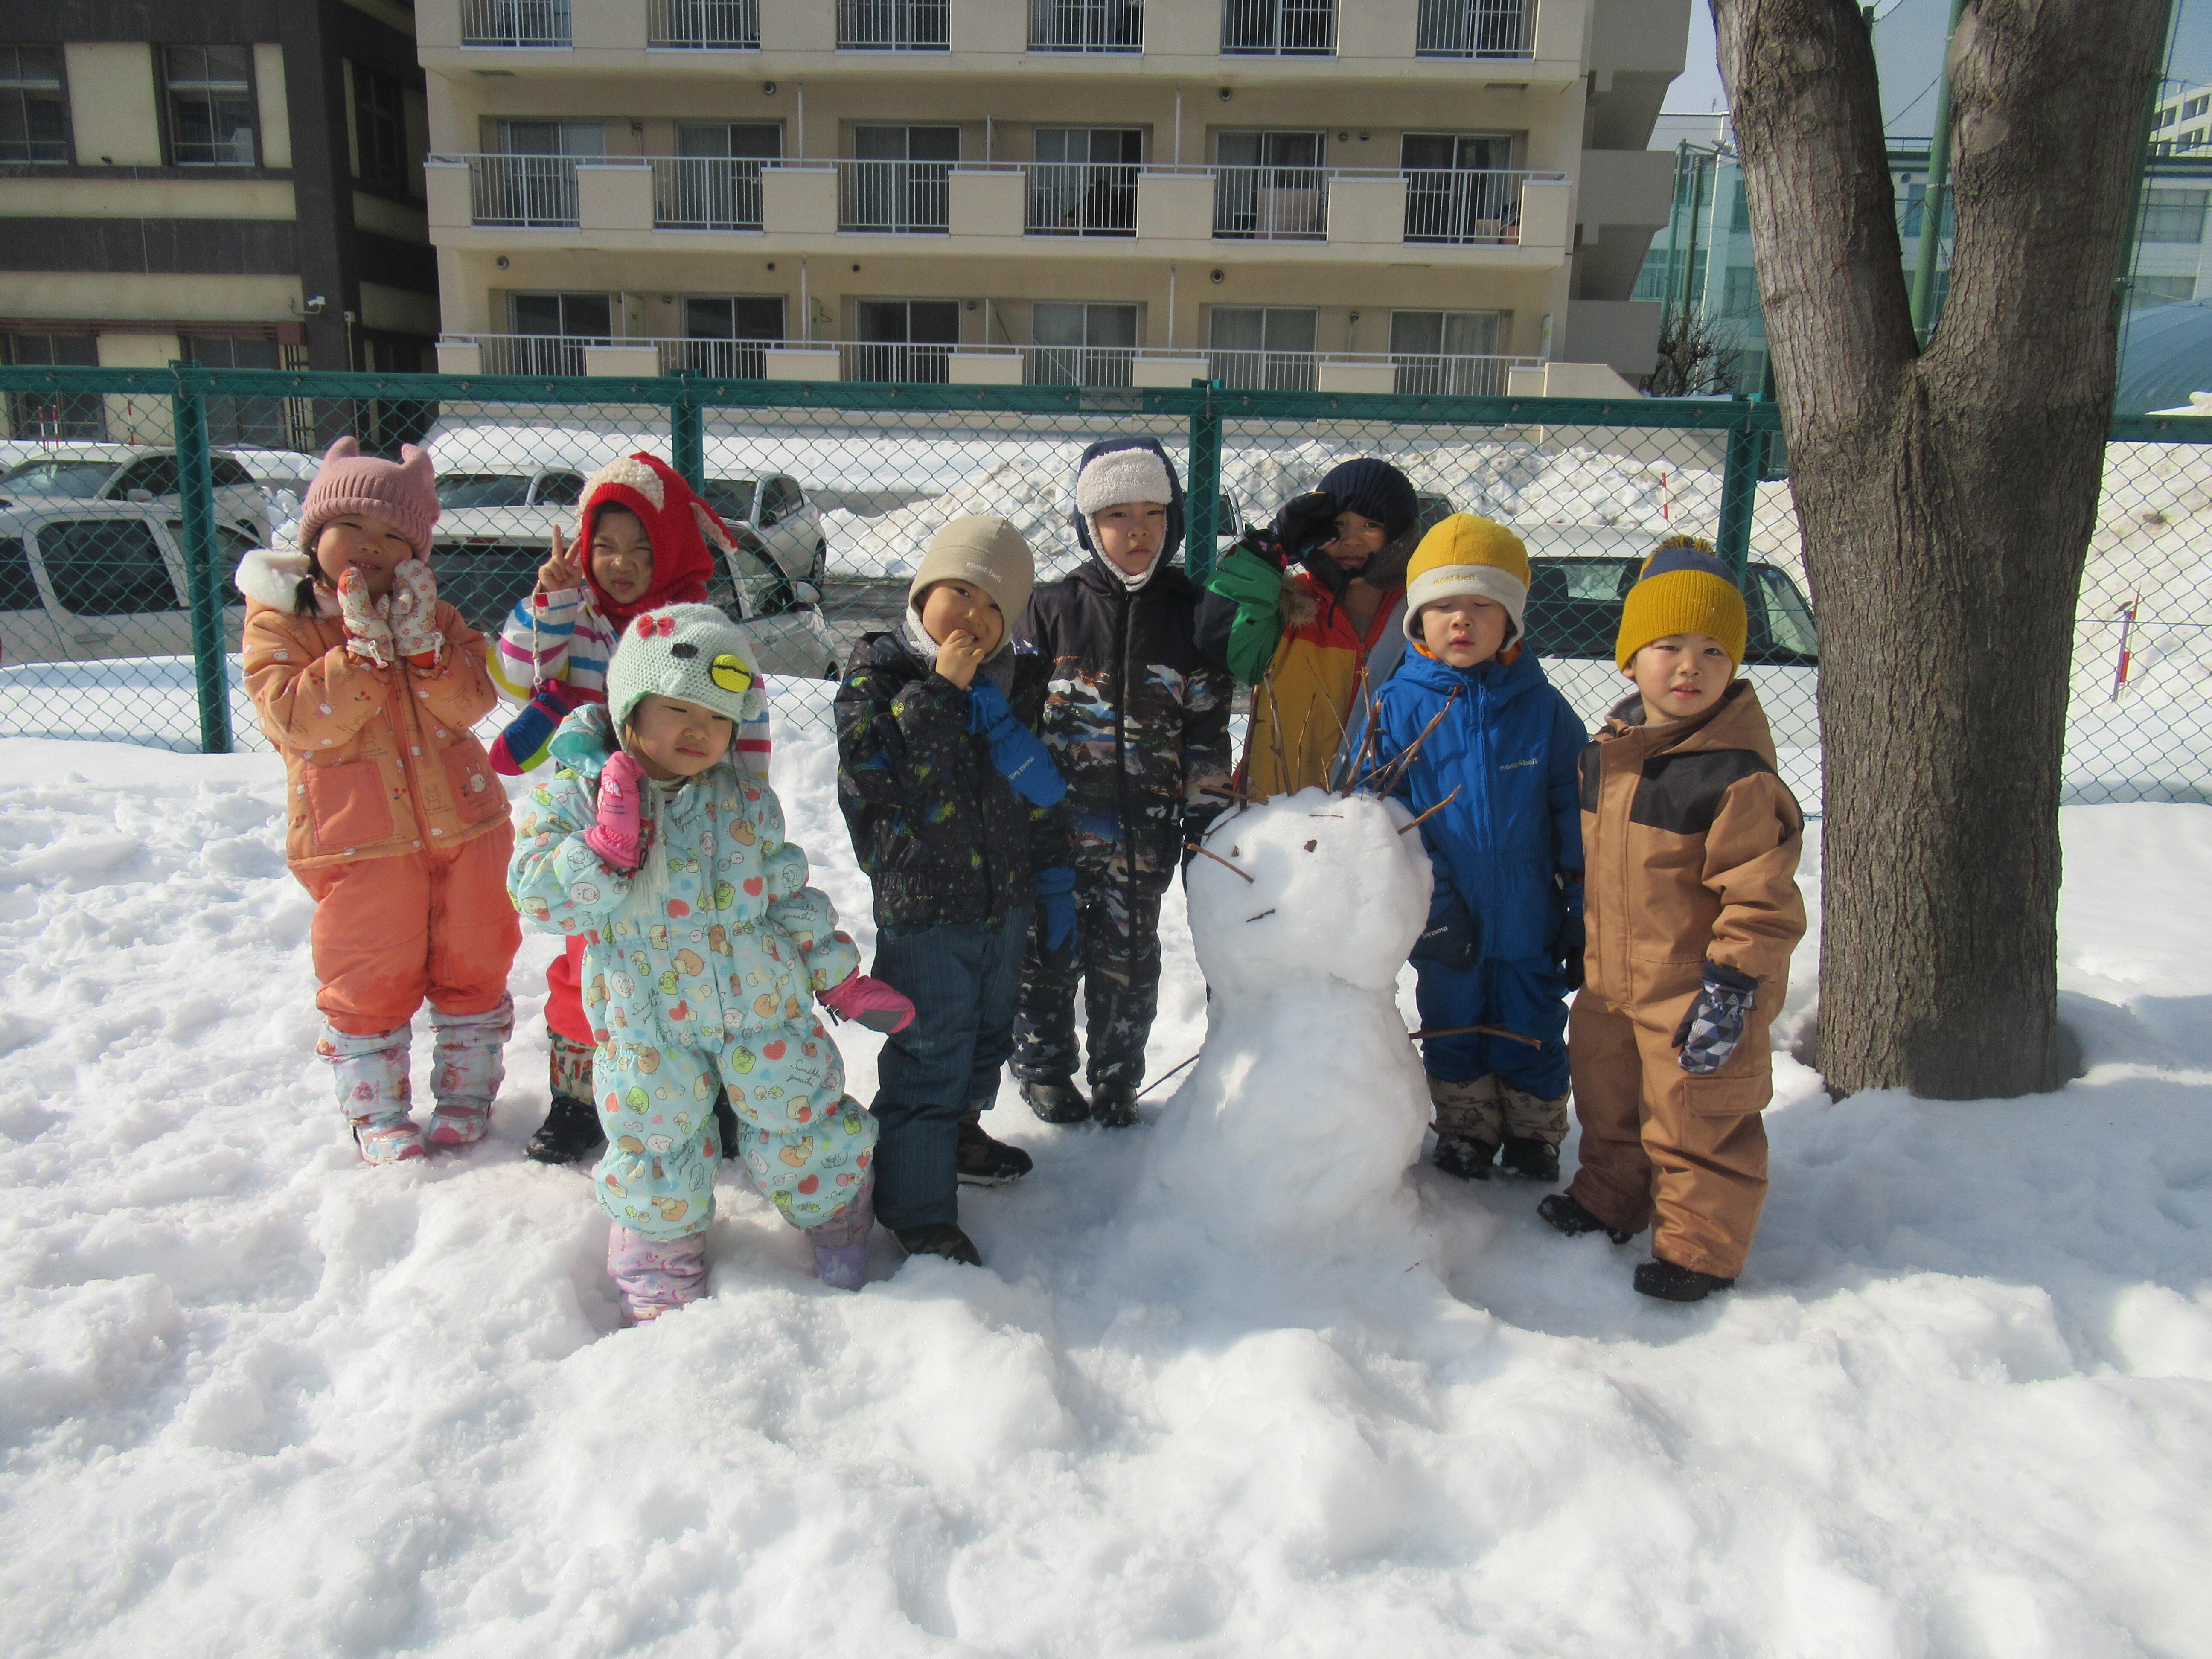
point(131, 495)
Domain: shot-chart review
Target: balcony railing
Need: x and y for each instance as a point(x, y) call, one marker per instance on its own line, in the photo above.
point(710, 25)
point(706, 192)
point(1421, 375)
point(514, 22)
point(1086, 25)
point(893, 25)
point(1273, 204)
point(1082, 198)
point(915, 364)
point(1287, 28)
point(1474, 28)
point(721, 360)
point(1464, 204)
point(526, 191)
point(531, 354)
point(905, 198)
point(1090, 366)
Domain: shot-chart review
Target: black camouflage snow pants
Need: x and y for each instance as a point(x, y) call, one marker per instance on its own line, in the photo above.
point(1117, 928)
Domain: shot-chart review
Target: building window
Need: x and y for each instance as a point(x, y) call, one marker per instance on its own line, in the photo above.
point(2162, 290)
point(209, 92)
point(550, 333)
point(1740, 292)
point(2166, 117)
point(1448, 354)
point(2174, 215)
point(1304, 27)
point(1270, 185)
point(2195, 107)
point(896, 180)
point(1262, 348)
point(904, 340)
point(54, 414)
point(1083, 181)
point(379, 125)
point(893, 25)
point(34, 124)
point(1080, 344)
point(726, 336)
point(257, 420)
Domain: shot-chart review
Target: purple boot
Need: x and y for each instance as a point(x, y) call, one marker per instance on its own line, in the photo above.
point(840, 1243)
point(654, 1276)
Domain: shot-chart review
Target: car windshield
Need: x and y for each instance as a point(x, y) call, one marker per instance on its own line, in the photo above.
point(1787, 619)
point(730, 498)
point(39, 477)
point(483, 489)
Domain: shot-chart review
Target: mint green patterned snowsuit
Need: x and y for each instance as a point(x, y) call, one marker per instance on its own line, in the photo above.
point(702, 967)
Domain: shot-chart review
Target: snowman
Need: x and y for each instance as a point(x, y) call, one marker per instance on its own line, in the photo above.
point(1307, 1107)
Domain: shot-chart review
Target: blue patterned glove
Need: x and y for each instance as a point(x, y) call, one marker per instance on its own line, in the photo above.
point(1055, 921)
point(1713, 1024)
point(1018, 752)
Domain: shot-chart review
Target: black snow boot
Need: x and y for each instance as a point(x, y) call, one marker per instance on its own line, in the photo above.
point(1114, 1105)
point(1464, 1156)
point(1055, 1100)
point(726, 1125)
point(571, 1131)
point(1571, 1218)
point(1672, 1283)
point(1529, 1158)
point(984, 1162)
point(939, 1238)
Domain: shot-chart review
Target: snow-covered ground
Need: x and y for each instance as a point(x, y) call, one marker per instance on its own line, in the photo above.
point(257, 1399)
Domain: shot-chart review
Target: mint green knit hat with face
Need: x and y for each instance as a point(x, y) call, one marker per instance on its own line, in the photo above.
point(692, 653)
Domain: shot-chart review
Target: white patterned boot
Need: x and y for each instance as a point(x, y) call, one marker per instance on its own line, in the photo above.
point(468, 1064)
point(371, 1077)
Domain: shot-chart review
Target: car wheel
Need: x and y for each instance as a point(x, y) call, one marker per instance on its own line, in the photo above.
point(821, 569)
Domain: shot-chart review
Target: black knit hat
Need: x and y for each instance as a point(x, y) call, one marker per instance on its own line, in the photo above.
point(1375, 490)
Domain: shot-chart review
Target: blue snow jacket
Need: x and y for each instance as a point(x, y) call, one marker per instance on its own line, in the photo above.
point(1509, 745)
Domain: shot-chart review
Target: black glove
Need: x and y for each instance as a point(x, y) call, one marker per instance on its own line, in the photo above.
point(1453, 938)
point(1713, 1024)
point(1306, 524)
point(1567, 949)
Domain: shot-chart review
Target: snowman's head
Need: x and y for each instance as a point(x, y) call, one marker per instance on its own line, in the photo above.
point(1336, 890)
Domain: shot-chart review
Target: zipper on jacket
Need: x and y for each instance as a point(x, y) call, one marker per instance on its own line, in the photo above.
point(1121, 761)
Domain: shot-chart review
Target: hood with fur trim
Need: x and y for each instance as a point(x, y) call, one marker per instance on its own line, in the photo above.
point(687, 537)
point(271, 577)
point(1169, 548)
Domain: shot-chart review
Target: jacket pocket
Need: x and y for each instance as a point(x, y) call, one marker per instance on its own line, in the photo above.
point(476, 793)
point(1727, 1094)
point(348, 806)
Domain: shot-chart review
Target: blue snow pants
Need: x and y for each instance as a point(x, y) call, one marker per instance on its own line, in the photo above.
point(1527, 996)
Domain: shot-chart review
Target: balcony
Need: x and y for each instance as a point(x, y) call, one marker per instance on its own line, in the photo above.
point(533, 192)
point(1475, 28)
point(1466, 205)
point(1081, 199)
point(894, 24)
point(514, 22)
point(706, 192)
point(1086, 26)
point(892, 198)
point(703, 25)
point(1271, 204)
point(1283, 28)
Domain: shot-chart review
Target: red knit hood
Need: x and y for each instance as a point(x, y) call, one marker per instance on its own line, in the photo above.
point(687, 538)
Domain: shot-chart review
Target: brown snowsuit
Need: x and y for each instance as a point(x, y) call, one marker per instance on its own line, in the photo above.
point(1690, 844)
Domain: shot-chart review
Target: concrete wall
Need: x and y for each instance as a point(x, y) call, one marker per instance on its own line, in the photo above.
point(111, 104)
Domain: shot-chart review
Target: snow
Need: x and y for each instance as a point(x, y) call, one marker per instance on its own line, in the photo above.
point(258, 1400)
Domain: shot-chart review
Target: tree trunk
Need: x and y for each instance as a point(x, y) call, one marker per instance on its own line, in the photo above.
point(1946, 500)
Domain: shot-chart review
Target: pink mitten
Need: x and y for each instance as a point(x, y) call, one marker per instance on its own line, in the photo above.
point(415, 632)
point(617, 837)
point(369, 631)
point(870, 1001)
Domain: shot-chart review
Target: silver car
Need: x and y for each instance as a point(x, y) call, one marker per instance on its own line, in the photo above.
point(83, 581)
point(127, 472)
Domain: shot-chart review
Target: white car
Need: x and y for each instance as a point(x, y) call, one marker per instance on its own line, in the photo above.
point(82, 581)
point(62, 473)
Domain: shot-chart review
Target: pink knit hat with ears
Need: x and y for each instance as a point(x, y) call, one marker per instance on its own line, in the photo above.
point(404, 494)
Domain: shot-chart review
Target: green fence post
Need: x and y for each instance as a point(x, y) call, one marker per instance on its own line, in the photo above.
point(196, 501)
point(687, 434)
point(1202, 485)
point(1746, 446)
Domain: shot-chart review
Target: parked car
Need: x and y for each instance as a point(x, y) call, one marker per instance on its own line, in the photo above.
point(87, 472)
point(82, 581)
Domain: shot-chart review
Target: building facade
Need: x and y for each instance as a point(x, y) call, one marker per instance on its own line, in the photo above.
point(239, 185)
point(1400, 194)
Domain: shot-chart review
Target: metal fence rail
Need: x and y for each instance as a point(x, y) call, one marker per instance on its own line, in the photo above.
point(118, 618)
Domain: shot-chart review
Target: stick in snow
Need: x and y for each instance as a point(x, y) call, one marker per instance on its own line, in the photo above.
point(1463, 1030)
point(1161, 1078)
point(1220, 860)
point(1433, 810)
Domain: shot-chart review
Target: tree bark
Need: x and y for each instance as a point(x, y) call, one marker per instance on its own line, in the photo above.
point(1946, 500)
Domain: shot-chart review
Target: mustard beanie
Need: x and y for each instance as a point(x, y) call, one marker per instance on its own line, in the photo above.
point(1467, 555)
point(1682, 589)
point(988, 552)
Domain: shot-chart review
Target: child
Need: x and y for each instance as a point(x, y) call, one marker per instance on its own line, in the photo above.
point(1138, 719)
point(705, 950)
point(1316, 643)
point(951, 800)
point(1496, 771)
point(369, 683)
point(1694, 909)
point(649, 542)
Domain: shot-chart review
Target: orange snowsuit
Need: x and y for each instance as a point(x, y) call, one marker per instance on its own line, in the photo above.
point(1690, 847)
point(397, 824)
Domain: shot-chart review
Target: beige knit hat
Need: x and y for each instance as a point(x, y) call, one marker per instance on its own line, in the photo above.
point(989, 552)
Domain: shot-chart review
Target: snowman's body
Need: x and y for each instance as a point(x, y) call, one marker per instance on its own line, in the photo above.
point(1307, 1106)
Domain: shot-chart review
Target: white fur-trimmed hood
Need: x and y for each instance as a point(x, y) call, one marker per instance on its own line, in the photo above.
point(269, 576)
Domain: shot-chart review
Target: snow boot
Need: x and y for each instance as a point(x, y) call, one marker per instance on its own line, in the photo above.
point(1562, 1211)
point(370, 1074)
point(1529, 1158)
point(1672, 1283)
point(1114, 1106)
point(1464, 1156)
point(654, 1276)
point(1055, 1100)
point(840, 1243)
point(984, 1162)
point(571, 1131)
point(939, 1238)
point(470, 1051)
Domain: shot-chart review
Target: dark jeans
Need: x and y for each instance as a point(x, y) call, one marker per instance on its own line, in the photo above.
point(964, 980)
point(1118, 960)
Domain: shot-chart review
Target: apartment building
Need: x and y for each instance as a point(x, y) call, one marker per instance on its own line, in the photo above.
point(239, 185)
point(1411, 195)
